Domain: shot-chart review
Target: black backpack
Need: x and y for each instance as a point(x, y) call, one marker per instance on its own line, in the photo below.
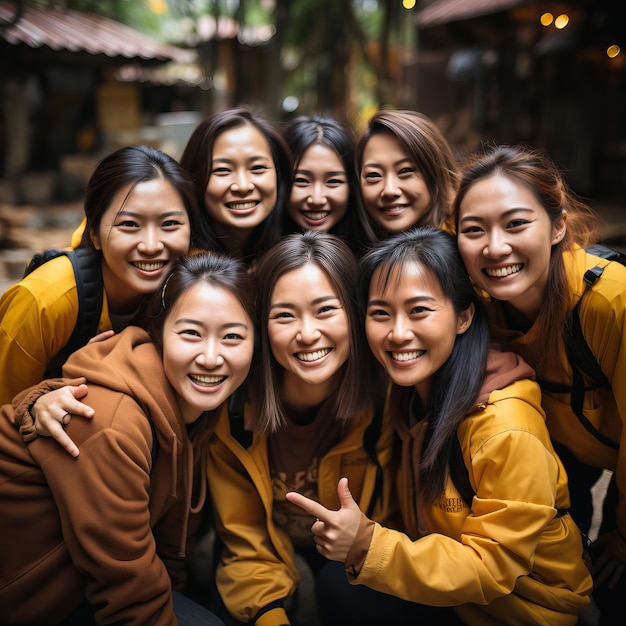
point(89, 285)
point(581, 358)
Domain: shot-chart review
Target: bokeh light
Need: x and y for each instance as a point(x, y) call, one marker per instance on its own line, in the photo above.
point(562, 21)
point(546, 19)
point(612, 51)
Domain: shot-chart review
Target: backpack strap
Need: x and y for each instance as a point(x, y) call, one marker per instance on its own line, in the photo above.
point(89, 287)
point(604, 252)
point(578, 352)
point(583, 361)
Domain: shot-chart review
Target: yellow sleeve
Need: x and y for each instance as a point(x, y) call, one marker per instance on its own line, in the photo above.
point(77, 235)
point(37, 317)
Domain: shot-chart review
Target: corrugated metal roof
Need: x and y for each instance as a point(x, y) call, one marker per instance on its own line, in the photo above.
point(445, 11)
point(84, 32)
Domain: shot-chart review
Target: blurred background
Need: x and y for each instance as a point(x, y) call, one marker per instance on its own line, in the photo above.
point(79, 78)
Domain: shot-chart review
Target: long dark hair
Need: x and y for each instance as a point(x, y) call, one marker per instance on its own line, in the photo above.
point(538, 173)
point(129, 166)
point(457, 383)
point(197, 157)
point(303, 132)
point(333, 256)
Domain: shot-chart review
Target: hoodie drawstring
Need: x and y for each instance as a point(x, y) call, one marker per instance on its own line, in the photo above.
point(190, 508)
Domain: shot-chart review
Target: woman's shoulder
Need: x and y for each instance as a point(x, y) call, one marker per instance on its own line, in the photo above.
point(609, 280)
point(510, 398)
point(514, 409)
point(46, 297)
point(235, 428)
point(601, 292)
point(50, 280)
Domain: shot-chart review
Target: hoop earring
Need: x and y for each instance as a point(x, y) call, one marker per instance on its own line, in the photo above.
point(167, 280)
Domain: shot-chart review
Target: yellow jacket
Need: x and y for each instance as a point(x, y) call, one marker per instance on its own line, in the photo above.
point(257, 572)
point(37, 317)
point(77, 235)
point(514, 557)
point(603, 322)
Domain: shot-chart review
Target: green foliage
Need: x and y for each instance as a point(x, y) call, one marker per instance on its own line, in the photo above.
point(322, 49)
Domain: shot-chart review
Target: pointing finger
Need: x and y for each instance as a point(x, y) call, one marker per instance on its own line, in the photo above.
point(308, 505)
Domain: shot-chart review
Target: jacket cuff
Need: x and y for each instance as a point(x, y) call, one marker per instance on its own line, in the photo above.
point(359, 548)
point(23, 403)
point(273, 617)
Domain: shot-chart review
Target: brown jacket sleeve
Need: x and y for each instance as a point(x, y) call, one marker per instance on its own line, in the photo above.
point(23, 403)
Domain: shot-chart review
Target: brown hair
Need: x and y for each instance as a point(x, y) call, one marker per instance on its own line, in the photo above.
point(424, 143)
point(537, 172)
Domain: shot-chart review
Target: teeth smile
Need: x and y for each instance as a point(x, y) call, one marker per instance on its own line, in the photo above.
point(320, 215)
point(407, 356)
point(499, 272)
point(149, 266)
point(207, 381)
point(241, 206)
point(312, 356)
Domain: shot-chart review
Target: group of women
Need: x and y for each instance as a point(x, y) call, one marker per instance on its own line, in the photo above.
point(335, 344)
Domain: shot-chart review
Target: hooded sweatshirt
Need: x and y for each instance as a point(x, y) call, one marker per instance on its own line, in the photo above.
point(513, 556)
point(111, 525)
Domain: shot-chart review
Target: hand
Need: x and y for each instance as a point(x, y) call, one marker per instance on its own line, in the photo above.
point(605, 567)
point(334, 531)
point(54, 410)
point(105, 334)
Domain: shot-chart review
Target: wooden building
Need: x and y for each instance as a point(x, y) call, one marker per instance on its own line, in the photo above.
point(549, 74)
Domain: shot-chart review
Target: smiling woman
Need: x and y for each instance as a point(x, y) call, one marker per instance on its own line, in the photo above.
point(240, 165)
point(323, 192)
point(408, 175)
point(204, 356)
point(310, 420)
point(474, 459)
point(522, 234)
point(120, 518)
point(141, 211)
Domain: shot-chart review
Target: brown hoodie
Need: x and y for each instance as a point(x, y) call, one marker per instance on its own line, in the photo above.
point(110, 525)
